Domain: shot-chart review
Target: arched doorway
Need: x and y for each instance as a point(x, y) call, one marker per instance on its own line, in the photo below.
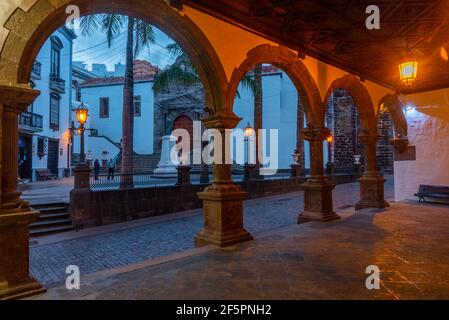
point(184, 123)
point(16, 65)
point(318, 191)
point(371, 183)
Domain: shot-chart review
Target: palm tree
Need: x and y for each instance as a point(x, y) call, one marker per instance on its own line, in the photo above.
point(182, 72)
point(139, 36)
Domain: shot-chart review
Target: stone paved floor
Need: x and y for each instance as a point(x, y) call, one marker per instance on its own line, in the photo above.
point(123, 246)
point(408, 242)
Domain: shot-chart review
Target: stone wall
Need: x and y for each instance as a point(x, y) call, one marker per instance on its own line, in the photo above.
point(385, 152)
point(95, 208)
point(342, 118)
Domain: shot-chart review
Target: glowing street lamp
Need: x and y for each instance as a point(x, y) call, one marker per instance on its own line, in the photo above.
point(82, 114)
point(249, 130)
point(408, 72)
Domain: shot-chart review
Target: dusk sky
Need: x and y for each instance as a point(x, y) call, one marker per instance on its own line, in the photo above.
point(93, 48)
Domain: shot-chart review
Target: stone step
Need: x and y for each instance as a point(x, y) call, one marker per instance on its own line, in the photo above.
point(54, 218)
point(50, 224)
point(49, 231)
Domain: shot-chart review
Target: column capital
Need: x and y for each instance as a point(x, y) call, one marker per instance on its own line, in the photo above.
point(16, 98)
point(222, 120)
point(316, 134)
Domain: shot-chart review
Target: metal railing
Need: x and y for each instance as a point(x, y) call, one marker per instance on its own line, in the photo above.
point(31, 121)
point(118, 180)
point(57, 84)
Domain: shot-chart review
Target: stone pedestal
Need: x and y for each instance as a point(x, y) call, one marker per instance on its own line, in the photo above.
point(15, 280)
point(223, 200)
point(183, 175)
point(371, 183)
point(82, 186)
point(249, 172)
point(167, 166)
point(318, 204)
point(223, 217)
point(372, 193)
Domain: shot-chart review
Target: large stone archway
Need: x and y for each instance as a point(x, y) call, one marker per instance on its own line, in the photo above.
point(318, 191)
point(289, 62)
point(27, 32)
point(371, 183)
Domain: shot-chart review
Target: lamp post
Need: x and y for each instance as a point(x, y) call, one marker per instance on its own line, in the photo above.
point(82, 114)
point(249, 168)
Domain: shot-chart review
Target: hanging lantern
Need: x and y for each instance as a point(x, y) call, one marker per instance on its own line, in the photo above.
point(330, 139)
point(408, 71)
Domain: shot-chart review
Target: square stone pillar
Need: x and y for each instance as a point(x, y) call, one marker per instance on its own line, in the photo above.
point(371, 183)
point(318, 204)
point(223, 200)
point(15, 215)
point(78, 194)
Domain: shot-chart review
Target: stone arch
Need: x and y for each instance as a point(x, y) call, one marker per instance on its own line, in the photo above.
point(289, 62)
point(362, 100)
point(394, 106)
point(29, 30)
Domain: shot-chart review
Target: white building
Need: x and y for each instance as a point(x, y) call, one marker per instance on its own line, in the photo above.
point(104, 97)
point(44, 140)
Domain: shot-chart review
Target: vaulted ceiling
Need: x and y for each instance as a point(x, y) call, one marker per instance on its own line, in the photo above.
point(334, 31)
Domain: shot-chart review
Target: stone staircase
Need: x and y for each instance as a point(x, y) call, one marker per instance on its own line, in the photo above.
point(54, 218)
point(143, 163)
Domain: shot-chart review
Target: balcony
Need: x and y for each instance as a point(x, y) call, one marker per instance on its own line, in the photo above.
point(36, 71)
point(30, 122)
point(57, 84)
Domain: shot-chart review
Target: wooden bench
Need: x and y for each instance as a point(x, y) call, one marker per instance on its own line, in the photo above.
point(434, 192)
point(45, 175)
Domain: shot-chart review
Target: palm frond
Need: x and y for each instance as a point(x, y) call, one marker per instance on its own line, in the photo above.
point(89, 23)
point(175, 49)
point(175, 74)
point(112, 25)
point(144, 36)
point(249, 83)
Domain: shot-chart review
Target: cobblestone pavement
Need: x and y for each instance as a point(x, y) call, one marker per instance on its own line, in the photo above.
point(136, 244)
point(408, 242)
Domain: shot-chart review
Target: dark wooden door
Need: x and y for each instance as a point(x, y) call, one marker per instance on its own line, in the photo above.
point(53, 156)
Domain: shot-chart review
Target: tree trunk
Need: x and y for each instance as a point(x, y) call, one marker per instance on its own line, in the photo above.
point(258, 118)
point(299, 130)
point(128, 111)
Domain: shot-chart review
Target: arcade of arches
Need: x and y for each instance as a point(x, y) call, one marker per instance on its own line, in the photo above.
point(362, 116)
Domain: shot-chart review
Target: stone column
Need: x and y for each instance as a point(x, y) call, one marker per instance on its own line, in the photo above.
point(10, 167)
point(15, 215)
point(223, 200)
point(317, 190)
point(371, 183)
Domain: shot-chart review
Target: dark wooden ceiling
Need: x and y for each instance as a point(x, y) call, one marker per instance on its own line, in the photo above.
point(334, 31)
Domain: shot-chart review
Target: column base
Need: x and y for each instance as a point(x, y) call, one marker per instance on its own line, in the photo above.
point(223, 216)
point(372, 192)
point(318, 205)
point(26, 289)
point(15, 280)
